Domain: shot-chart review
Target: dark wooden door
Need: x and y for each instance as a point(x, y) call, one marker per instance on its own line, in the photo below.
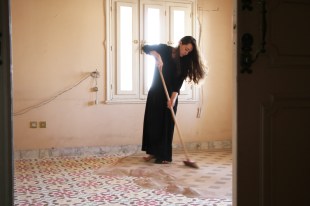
point(6, 163)
point(273, 103)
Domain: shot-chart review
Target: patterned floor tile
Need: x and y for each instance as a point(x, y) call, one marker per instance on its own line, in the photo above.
point(124, 180)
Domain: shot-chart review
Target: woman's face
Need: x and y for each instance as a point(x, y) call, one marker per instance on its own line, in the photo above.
point(185, 49)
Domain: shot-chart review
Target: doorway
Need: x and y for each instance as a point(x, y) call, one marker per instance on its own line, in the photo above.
point(210, 11)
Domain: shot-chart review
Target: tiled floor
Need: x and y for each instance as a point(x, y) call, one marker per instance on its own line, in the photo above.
point(124, 180)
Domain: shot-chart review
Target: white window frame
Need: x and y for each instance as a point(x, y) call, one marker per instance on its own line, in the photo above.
point(138, 95)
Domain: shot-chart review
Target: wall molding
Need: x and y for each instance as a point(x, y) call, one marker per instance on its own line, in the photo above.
point(121, 149)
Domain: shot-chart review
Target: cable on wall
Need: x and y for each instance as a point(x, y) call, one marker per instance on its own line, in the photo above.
point(95, 89)
point(94, 74)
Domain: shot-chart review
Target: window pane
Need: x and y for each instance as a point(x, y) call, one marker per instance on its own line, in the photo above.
point(153, 34)
point(153, 30)
point(125, 48)
point(178, 26)
point(178, 30)
point(150, 66)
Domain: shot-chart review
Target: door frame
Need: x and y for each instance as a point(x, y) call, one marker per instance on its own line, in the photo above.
point(6, 124)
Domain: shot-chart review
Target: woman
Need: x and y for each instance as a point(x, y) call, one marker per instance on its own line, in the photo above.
point(176, 64)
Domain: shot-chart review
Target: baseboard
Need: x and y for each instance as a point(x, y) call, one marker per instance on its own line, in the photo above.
point(122, 149)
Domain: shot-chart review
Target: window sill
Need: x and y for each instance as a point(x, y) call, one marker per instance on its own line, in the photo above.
point(142, 101)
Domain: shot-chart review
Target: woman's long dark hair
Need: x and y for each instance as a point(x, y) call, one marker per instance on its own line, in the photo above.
point(191, 65)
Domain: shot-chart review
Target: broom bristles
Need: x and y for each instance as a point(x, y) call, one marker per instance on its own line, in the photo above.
point(191, 164)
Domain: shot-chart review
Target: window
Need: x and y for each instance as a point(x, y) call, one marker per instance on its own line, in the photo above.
point(130, 25)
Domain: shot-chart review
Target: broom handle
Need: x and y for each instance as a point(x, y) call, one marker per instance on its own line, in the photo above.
point(173, 114)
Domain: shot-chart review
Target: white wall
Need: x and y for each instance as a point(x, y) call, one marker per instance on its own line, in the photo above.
point(57, 42)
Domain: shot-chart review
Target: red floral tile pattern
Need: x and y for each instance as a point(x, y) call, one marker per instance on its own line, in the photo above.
point(70, 181)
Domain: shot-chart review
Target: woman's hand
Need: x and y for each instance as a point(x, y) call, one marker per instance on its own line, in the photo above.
point(170, 103)
point(159, 62)
point(173, 98)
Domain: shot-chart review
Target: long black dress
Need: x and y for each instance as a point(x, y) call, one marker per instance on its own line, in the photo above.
point(158, 124)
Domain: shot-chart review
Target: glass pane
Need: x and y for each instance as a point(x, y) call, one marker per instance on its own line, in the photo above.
point(125, 48)
point(153, 33)
point(183, 87)
point(178, 26)
point(150, 66)
point(178, 30)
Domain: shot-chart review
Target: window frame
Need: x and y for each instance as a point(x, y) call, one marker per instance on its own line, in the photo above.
point(190, 95)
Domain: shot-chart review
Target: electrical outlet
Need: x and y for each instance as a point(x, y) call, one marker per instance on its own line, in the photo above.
point(198, 112)
point(42, 124)
point(94, 89)
point(95, 74)
point(33, 124)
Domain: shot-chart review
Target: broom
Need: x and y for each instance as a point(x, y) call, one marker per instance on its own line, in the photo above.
point(187, 162)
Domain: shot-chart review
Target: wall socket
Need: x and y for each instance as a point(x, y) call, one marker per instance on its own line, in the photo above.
point(42, 124)
point(34, 124)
